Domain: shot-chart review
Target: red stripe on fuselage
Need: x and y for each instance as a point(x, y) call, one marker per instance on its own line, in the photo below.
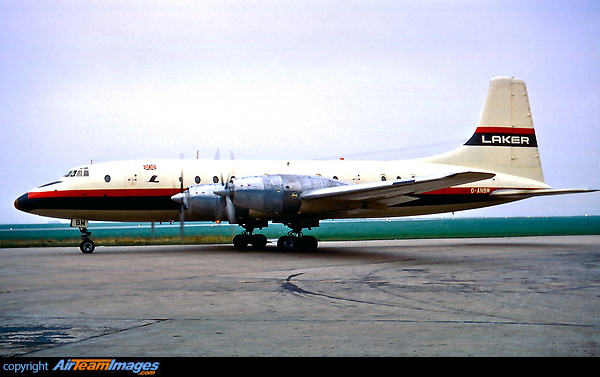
point(460, 191)
point(115, 193)
point(102, 193)
point(470, 190)
point(505, 130)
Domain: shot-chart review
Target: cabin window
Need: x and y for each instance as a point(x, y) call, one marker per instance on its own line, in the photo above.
point(383, 177)
point(197, 179)
point(215, 179)
point(107, 178)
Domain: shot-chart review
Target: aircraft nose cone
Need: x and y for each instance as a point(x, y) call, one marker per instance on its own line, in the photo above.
point(178, 198)
point(22, 203)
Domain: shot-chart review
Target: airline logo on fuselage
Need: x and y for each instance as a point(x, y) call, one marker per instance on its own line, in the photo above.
point(503, 137)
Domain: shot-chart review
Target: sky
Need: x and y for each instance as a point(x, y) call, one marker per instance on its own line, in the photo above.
point(373, 80)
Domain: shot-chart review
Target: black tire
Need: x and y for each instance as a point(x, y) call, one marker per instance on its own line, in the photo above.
point(87, 246)
point(241, 241)
point(258, 241)
point(308, 243)
point(287, 243)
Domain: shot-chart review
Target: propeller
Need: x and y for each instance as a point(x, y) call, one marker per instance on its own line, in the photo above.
point(225, 208)
point(225, 194)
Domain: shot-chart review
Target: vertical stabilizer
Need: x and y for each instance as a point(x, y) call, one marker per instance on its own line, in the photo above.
point(504, 141)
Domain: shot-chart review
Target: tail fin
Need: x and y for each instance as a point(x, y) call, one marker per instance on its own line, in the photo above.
point(504, 141)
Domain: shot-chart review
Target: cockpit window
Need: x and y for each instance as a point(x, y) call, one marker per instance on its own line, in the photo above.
point(82, 172)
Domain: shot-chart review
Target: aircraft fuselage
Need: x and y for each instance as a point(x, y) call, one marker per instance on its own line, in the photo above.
point(141, 190)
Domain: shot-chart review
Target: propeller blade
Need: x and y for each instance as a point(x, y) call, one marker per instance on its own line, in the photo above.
point(182, 222)
point(182, 208)
point(227, 209)
point(230, 210)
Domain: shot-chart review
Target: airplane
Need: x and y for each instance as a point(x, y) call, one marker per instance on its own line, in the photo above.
point(499, 163)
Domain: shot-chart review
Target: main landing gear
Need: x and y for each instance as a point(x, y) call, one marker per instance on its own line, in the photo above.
point(285, 243)
point(86, 246)
point(294, 240)
point(258, 241)
point(297, 242)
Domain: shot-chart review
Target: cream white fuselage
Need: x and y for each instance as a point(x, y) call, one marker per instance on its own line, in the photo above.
point(141, 190)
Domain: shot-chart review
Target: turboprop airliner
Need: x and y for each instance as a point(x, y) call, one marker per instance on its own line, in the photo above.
point(499, 163)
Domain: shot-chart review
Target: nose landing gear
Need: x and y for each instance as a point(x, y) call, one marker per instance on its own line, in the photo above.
point(86, 246)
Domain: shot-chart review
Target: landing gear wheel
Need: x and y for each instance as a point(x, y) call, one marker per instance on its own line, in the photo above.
point(87, 246)
point(241, 241)
point(308, 243)
point(304, 243)
point(287, 243)
point(258, 241)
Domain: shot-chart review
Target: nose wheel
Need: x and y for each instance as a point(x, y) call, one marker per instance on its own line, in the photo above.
point(87, 246)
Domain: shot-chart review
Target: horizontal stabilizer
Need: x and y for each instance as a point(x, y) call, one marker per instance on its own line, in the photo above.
point(523, 194)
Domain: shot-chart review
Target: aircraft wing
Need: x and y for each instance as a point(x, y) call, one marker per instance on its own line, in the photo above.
point(388, 193)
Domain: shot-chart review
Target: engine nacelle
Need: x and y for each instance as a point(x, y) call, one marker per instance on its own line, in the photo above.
point(203, 203)
point(278, 193)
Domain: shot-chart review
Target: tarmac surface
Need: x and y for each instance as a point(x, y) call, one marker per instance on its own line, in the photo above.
point(529, 296)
